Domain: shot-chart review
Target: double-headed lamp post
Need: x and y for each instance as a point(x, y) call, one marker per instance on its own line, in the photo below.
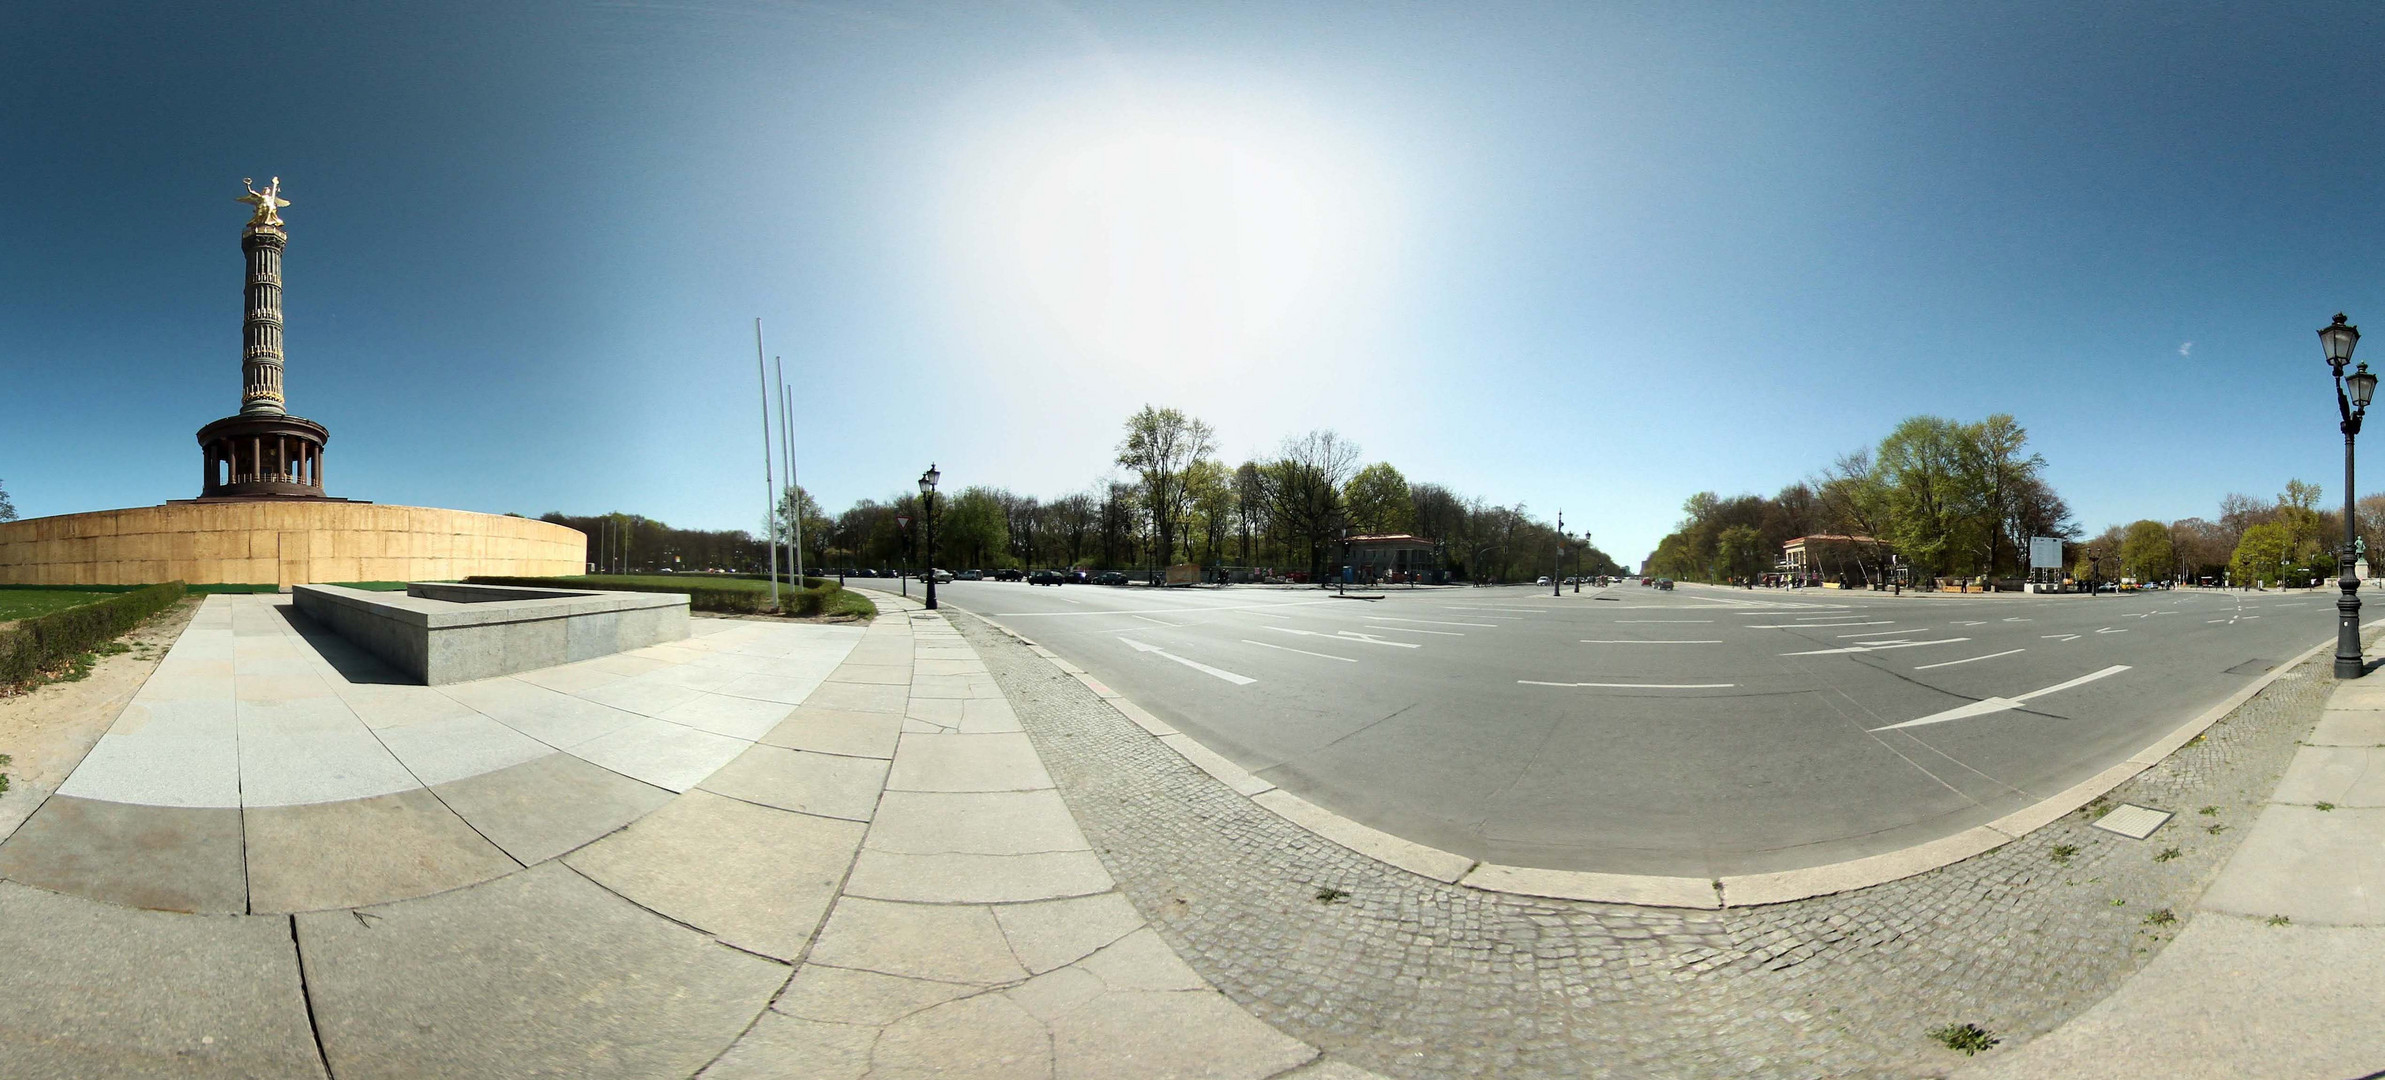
point(927, 510)
point(2352, 393)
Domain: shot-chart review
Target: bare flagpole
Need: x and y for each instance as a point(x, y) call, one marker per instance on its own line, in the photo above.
point(794, 509)
point(786, 412)
point(769, 482)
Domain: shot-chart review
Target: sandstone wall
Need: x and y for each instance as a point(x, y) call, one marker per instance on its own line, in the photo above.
point(286, 543)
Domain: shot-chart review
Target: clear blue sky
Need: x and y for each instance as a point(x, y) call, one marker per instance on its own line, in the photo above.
point(1575, 255)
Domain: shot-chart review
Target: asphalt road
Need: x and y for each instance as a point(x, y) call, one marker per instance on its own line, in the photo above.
point(1702, 732)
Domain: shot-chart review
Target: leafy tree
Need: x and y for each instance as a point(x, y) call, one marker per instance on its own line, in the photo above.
point(2298, 510)
point(2147, 553)
point(1160, 444)
point(1934, 496)
point(1379, 500)
point(1250, 503)
point(1211, 491)
point(2260, 553)
point(1741, 552)
point(1306, 481)
point(972, 528)
point(794, 500)
point(8, 510)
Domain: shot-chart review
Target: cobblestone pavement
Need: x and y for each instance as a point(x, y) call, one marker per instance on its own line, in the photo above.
point(1417, 978)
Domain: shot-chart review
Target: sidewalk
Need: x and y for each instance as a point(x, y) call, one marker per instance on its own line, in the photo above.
point(2280, 971)
point(769, 850)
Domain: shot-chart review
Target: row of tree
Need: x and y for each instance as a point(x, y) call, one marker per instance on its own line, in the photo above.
point(2253, 541)
point(1175, 500)
point(1946, 498)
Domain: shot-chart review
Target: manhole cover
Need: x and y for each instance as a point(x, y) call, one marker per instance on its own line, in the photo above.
point(2252, 667)
point(2133, 821)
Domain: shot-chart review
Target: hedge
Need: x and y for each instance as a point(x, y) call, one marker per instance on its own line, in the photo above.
point(34, 645)
point(746, 601)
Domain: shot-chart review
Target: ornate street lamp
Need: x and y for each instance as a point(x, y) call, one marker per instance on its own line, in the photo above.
point(2352, 393)
point(927, 510)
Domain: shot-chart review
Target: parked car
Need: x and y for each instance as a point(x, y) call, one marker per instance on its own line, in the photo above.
point(940, 576)
point(1665, 583)
point(1110, 577)
point(1044, 577)
point(1076, 577)
point(1010, 575)
point(1544, 579)
point(969, 575)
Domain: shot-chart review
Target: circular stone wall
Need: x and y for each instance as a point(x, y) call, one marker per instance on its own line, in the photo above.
point(273, 542)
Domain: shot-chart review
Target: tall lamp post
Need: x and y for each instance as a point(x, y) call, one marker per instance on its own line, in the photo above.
point(927, 509)
point(1557, 571)
point(2352, 393)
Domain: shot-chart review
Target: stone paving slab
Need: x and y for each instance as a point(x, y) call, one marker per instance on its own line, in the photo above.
point(2310, 865)
point(826, 785)
point(540, 809)
point(540, 973)
point(940, 762)
point(753, 876)
point(2337, 775)
point(948, 878)
point(363, 851)
point(832, 731)
point(97, 990)
point(157, 857)
point(974, 822)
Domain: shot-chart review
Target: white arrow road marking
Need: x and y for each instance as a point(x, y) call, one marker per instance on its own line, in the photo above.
point(1414, 630)
point(1346, 635)
point(1636, 685)
point(1876, 648)
point(1644, 641)
point(2060, 637)
point(1238, 680)
point(1813, 626)
point(1303, 652)
point(1951, 663)
point(1984, 706)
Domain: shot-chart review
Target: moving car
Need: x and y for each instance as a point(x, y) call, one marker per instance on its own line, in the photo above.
point(1010, 575)
point(1044, 577)
point(1110, 577)
point(940, 576)
point(969, 575)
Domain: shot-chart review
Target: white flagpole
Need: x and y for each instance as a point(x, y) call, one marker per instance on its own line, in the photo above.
point(786, 412)
point(769, 483)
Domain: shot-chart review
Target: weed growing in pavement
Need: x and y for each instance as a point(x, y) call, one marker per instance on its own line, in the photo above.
point(1968, 1039)
point(2099, 807)
point(2167, 854)
point(5, 761)
point(2062, 853)
point(2215, 828)
point(2161, 917)
point(2279, 920)
point(2323, 806)
point(1331, 895)
point(2209, 811)
point(2119, 902)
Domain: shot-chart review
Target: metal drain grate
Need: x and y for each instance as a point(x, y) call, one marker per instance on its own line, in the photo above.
point(2133, 821)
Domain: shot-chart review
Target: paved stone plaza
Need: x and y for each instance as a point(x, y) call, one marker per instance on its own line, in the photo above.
point(769, 850)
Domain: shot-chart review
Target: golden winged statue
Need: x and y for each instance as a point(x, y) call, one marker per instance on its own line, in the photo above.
point(267, 201)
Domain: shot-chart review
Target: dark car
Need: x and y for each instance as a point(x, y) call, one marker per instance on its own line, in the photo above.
point(1076, 577)
point(969, 575)
point(1044, 577)
point(1009, 575)
point(1110, 577)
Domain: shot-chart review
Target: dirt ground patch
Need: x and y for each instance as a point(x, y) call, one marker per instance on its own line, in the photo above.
point(46, 731)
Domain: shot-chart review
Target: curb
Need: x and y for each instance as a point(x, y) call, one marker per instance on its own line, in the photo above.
point(1737, 891)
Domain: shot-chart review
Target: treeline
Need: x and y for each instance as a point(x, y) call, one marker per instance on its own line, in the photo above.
point(1945, 498)
point(2287, 540)
point(1177, 501)
point(634, 542)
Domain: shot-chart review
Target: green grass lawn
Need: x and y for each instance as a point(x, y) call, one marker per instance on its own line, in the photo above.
point(21, 602)
point(838, 601)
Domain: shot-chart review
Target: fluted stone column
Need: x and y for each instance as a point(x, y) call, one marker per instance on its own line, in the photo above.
point(261, 331)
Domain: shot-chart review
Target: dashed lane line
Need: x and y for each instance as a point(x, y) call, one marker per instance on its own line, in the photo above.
point(1417, 630)
point(1951, 663)
point(1634, 685)
point(1346, 635)
point(1645, 641)
point(1432, 622)
point(1814, 626)
point(2060, 637)
point(1876, 648)
point(1621, 622)
point(1303, 652)
point(1238, 680)
point(1985, 706)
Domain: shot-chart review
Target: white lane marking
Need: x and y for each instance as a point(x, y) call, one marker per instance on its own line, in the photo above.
point(1269, 615)
point(2218, 620)
point(1951, 663)
point(1864, 633)
point(2059, 637)
point(1876, 648)
point(1303, 652)
point(1972, 622)
point(2111, 630)
point(2249, 617)
point(1635, 685)
point(1345, 635)
point(1814, 626)
point(1415, 630)
point(2017, 618)
point(1984, 706)
point(1162, 622)
point(1644, 641)
point(1079, 602)
point(1432, 622)
point(1620, 622)
point(1238, 680)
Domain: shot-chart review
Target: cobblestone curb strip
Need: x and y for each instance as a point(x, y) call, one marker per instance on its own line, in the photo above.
point(1412, 975)
point(1651, 890)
